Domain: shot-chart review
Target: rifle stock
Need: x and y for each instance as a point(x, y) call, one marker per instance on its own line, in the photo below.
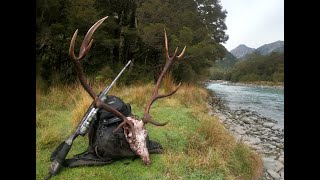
point(62, 152)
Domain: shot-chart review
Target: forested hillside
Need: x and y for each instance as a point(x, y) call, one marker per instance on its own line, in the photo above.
point(256, 68)
point(133, 31)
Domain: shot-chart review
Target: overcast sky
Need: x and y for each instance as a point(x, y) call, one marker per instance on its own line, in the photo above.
point(253, 22)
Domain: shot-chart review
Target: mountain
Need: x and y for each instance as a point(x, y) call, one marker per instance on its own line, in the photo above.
point(241, 51)
point(277, 46)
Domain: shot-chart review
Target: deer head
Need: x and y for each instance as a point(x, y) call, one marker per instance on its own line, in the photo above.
point(134, 128)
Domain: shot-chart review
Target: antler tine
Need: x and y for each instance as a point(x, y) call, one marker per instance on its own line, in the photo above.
point(182, 53)
point(87, 39)
point(78, 67)
point(155, 95)
point(84, 49)
point(166, 45)
point(86, 43)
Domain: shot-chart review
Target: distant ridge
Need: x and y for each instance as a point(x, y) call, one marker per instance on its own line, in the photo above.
point(266, 49)
point(242, 50)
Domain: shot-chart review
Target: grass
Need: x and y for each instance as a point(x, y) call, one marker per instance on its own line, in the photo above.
point(196, 146)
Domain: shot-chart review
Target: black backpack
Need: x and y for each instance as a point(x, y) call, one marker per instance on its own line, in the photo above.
point(105, 146)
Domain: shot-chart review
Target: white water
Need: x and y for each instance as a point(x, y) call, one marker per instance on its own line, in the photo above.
point(266, 101)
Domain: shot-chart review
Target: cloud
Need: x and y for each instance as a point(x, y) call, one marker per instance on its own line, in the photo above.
point(253, 22)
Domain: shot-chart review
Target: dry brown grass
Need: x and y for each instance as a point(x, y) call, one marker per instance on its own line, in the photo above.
point(257, 165)
point(216, 135)
point(39, 92)
point(82, 102)
point(73, 97)
point(55, 97)
point(168, 83)
point(211, 146)
point(191, 95)
point(49, 136)
point(172, 161)
point(136, 94)
point(244, 163)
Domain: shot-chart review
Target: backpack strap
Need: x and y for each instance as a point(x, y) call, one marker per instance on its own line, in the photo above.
point(86, 159)
point(91, 159)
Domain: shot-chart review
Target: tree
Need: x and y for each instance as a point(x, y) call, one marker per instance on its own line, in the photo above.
point(185, 24)
point(133, 31)
point(213, 18)
point(258, 68)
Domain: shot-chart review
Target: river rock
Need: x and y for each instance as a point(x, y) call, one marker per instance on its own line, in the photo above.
point(268, 162)
point(259, 127)
point(228, 114)
point(255, 147)
point(273, 174)
point(278, 166)
point(272, 146)
point(282, 174)
point(268, 124)
point(274, 138)
point(239, 130)
point(280, 159)
point(277, 128)
point(238, 137)
point(247, 120)
point(222, 118)
point(253, 140)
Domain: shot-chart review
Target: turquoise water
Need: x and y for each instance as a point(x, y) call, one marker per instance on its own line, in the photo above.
point(266, 101)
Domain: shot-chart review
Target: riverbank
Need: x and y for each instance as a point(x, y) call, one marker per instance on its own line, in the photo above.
point(262, 83)
point(252, 84)
point(261, 134)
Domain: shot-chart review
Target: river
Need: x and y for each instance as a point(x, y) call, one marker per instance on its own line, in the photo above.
point(265, 100)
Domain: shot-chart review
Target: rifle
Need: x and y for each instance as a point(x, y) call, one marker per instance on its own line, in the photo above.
point(90, 116)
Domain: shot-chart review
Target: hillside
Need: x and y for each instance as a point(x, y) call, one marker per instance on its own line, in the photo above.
point(258, 68)
point(242, 52)
point(228, 61)
point(264, 64)
point(266, 49)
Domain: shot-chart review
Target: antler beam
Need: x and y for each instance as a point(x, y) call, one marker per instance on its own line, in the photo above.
point(155, 95)
point(84, 49)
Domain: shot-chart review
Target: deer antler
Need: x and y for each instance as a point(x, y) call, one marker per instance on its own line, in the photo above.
point(84, 49)
point(134, 129)
point(137, 139)
point(155, 95)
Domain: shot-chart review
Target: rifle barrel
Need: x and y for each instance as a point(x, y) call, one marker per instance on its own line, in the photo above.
point(115, 79)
